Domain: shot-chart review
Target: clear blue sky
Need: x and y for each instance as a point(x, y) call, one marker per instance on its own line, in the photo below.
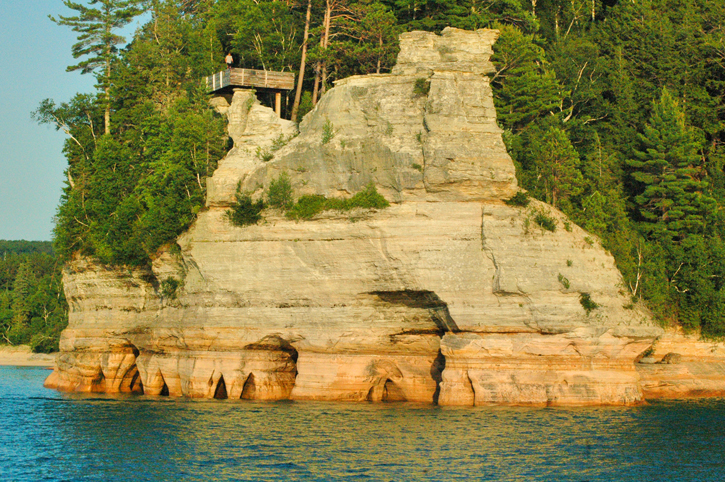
point(34, 54)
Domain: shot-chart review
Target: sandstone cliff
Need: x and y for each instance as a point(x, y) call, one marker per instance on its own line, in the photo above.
point(448, 296)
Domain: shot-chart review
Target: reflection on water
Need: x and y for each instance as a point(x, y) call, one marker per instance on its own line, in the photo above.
point(48, 436)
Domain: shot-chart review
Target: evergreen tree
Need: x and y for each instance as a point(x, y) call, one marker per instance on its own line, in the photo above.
point(525, 89)
point(671, 200)
point(97, 40)
point(549, 164)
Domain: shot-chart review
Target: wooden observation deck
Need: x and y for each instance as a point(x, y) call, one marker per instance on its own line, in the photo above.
point(268, 80)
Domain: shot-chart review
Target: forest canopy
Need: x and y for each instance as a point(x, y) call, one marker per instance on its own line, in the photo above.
point(33, 309)
point(612, 111)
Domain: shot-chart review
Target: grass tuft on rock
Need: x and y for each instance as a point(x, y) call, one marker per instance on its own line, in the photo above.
point(519, 199)
point(308, 206)
point(279, 193)
point(546, 222)
point(587, 302)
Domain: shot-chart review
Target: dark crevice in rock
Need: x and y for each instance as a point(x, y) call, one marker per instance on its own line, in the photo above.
point(131, 382)
point(422, 299)
point(100, 381)
point(221, 389)
point(274, 343)
point(471, 386)
point(436, 372)
point(432, 331)
point(370, 395)
point(392, 392)
point(164, 390)
point(249, 390)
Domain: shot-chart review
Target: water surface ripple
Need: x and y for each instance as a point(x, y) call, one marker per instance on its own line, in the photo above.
point(45, 435)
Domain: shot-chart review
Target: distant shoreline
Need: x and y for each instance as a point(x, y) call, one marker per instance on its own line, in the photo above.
point(21, 356)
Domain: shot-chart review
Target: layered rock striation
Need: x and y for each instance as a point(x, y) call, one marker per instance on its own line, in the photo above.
point(449, 296)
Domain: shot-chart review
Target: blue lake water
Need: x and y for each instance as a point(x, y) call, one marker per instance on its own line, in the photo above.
point(45, 435)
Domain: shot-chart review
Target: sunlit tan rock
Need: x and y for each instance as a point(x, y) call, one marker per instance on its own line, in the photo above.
point(698, 369)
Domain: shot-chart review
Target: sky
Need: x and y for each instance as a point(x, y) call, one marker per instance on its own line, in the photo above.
point(34, 53)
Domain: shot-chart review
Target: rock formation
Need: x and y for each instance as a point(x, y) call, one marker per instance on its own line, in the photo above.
point(449, 296)
point(680, 365)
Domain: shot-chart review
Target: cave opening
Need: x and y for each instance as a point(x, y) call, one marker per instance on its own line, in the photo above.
point(392, 392)
point(249, 389)
point(221, 389)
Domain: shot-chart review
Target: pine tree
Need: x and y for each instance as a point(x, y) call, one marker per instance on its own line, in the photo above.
point(22, 289)
point(671, 200)
point(525, 89)
point(97, 41)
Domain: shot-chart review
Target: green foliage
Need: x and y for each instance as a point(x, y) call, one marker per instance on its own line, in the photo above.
point(421, 86)
point(97, 39)
point(363, 40)
point(526, 88)
point(328, 131)
point(245, 212)
point(305, 105)
point(587, 303)
point(95, 26)
point(280, 142)
point(564, 281)
point(125, 199)
point(25, 247)
point(33, 309)
point(279, 193)
point(417, 167)
point(545, 221)
point(308, 206)
point(549, 164)
point(521, 198)
point(263, 155)
point(671, 199)
point(42, 343)
point(169, 287)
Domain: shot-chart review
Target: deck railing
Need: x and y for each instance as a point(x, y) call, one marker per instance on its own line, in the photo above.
point(264, 79)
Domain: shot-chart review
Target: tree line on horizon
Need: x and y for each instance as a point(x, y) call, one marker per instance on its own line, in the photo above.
point(33, 309)
point(612, 111)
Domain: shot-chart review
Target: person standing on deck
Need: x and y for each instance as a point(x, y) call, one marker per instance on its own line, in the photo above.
point(229, 60)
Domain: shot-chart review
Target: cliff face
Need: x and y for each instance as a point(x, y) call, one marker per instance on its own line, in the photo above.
point(448, 296)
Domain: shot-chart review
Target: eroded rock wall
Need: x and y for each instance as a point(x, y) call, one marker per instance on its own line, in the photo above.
point(448, 296)
point(683, 365)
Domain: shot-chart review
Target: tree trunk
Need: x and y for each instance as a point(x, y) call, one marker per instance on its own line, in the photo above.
point(301, 76)
point(107, 89)
point(318, 67)
point(380, 53)
point(326, 37)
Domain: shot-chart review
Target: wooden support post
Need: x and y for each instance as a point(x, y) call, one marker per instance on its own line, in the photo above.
point(278, 103)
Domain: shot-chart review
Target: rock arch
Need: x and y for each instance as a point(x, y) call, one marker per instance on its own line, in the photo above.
point(129, 374)
point(384, 377)
point(392, 392)
point(131, 382)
